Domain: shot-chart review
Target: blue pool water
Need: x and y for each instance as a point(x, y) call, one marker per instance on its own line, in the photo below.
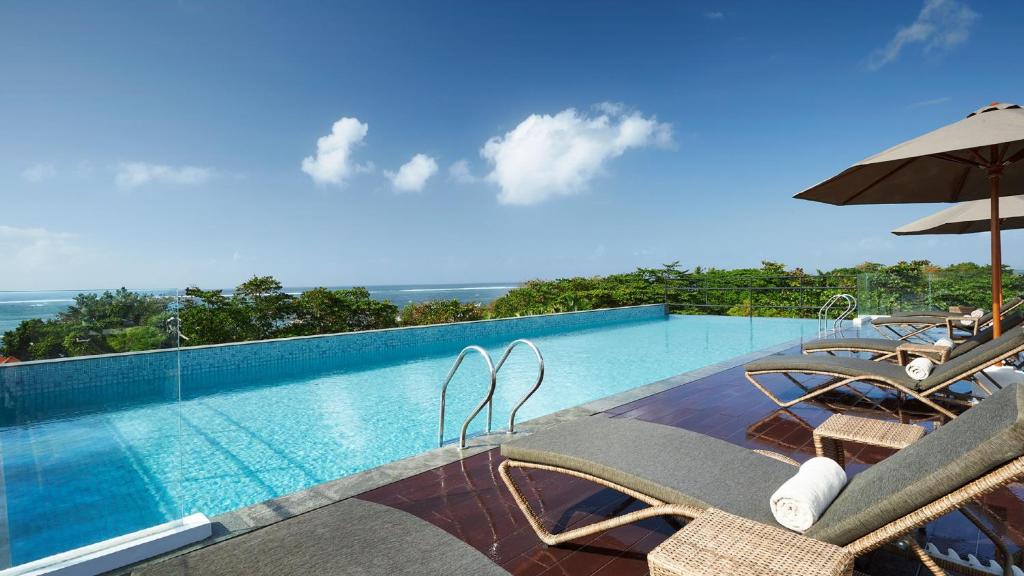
point(73, 478)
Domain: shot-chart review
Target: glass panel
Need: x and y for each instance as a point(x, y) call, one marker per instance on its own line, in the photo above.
point(903, 288)
point(89, 424)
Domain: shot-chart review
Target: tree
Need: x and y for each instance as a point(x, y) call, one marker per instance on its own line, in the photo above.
point(441, 312)
point(210, 317)
point(267, 307)
point(35, 340)
point(323, 311)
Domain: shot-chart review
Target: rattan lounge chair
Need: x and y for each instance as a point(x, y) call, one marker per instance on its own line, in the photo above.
point(682, 473)
point(889, 349)
point(905, 327)
point(843, 371)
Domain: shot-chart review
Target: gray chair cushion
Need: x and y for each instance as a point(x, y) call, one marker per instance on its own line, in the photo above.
point(982, 439)
point(671, 464)
point(981, 355)
point(351, 538)
point(868, 370)
point(908, 320)
point(889, 345)
point(936, 313)
point(854, 344)
point(938, 317)
point(1010, 321)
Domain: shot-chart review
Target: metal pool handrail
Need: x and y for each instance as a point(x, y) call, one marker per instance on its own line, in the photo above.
point(536, 385)
point(485, 402)
point(851, 305)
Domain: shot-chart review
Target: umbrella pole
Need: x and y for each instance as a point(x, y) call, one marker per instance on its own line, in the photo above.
point(997, 257)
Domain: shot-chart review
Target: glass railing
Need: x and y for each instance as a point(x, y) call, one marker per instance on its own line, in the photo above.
point(884, 293)
point(90, 425)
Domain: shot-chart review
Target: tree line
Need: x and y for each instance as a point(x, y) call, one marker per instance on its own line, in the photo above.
point(259, 309)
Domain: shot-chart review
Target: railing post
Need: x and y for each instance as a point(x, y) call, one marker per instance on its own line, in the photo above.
point(930, 304)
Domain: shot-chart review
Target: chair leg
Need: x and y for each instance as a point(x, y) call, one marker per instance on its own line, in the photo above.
point(1002, 552)
point(925, 559)
point(657, 507)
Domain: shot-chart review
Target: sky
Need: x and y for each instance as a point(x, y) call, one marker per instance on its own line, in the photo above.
point(168, 144)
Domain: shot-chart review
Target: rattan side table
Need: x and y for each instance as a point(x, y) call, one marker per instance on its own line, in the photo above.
point(937, 354)
point(829, 437)
point(717, 543)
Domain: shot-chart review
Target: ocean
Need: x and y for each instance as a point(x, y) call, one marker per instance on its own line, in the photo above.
point(18, 306)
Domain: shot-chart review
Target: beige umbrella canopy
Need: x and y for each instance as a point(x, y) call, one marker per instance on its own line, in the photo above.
point(968, 218)
point(966, 160)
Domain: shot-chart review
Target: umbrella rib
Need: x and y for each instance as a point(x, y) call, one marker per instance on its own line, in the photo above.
point(960, 185)
point(951, 158)
point(981, 159)
point(879, 179)
point(1016, 157)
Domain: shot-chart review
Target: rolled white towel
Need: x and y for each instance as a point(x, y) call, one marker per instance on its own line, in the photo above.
point(978, 313)
point(802, 499)
point(919, 368)
point(944, 342)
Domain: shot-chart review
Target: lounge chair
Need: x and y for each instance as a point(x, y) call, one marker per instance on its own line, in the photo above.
point(682, 473)
point(901, 327)
point(350, 538)
point(844, 371)
point(889, 349)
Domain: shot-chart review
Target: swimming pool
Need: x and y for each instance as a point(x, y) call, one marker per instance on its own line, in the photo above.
point(76, 476)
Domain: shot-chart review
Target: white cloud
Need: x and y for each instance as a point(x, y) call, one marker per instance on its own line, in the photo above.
point(932, 102)
point(941, 24)
point(547, 156)
point(28, 249)
point(459, 171)
point(134, 174)
point(332, 163)
point(611, 108)
point(413, 175)
point(714, 15)
point(39, 172)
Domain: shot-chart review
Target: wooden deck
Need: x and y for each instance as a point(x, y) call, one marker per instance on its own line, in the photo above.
point(468, 500)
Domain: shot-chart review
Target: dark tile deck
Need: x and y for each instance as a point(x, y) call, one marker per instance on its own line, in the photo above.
point(467, 498)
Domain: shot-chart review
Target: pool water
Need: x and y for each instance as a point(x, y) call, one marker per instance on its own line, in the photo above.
point(232, 441)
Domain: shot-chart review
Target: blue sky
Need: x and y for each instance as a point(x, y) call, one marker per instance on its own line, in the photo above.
point(167, 144)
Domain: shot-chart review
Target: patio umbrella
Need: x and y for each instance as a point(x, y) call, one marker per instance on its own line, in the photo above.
point(968, 218)
point(975, 158)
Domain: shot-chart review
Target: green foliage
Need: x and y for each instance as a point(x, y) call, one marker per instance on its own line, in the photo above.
point(266, 308)
point(258, 310)
point(123, 321)
point(210, 317)
point(441, 312)
point(771, 290)
point(137, 338)
point(323, 311)
point(34, 340)
point(570, 294)
point(920, 284)
point(95, 324)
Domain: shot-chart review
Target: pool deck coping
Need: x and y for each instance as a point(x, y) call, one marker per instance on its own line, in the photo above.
point(250, 518)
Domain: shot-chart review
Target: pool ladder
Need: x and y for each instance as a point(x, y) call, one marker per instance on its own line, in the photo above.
point(488, 400)
point(823, 313)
